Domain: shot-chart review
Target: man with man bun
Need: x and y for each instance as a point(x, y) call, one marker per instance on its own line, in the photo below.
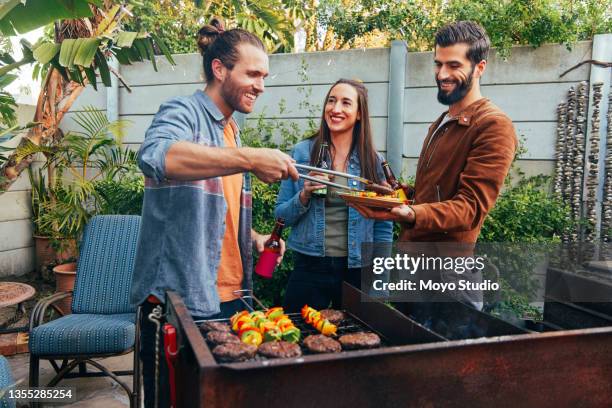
point(196, 237)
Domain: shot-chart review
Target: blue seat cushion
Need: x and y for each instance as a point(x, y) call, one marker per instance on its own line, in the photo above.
point(78, 334)
point(6, 381)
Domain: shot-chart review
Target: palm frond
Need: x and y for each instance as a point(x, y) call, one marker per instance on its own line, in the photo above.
point(93, 121)
point(27, 148)
point(115, 161)
point(110, 22)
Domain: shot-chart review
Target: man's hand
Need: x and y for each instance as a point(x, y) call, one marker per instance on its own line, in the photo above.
point(259, 241)
point(271, 165)
point(310, 186)
point(403, 213)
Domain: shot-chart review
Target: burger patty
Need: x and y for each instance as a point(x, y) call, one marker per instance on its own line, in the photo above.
point(279, 349)
point(233, 352)
point(215, 326)
point(334, 316)
point(318, 343)
point(361, 340)
point(219, 337)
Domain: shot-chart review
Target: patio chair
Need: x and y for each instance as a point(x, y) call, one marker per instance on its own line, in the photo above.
point(102, 323)
point(6, 382)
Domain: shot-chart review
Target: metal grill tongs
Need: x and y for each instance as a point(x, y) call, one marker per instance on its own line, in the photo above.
point(244, 295)
point(369, 184)
point(329, 183)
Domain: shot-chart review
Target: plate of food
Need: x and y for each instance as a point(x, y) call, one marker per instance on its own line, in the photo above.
point(372, 199)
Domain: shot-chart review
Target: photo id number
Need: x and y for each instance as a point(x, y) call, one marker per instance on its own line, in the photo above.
point(42, 394)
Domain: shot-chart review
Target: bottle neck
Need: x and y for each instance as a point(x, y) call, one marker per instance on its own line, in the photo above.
point(277, 232)
point(323, 155)
point(390, 176)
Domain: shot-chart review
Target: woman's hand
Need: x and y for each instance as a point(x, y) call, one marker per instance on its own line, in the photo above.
point(310, 186)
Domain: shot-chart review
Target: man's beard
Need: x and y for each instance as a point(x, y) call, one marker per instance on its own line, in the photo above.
point(232, 94)
point(458, 93)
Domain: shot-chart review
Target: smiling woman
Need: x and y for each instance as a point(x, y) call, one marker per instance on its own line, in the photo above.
point(326, 235)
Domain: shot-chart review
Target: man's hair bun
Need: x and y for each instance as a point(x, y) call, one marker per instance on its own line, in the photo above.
point(209, 33)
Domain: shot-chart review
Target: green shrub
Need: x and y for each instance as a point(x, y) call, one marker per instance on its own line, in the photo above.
point(526, 212)
point(269, 291)
point(121, 196)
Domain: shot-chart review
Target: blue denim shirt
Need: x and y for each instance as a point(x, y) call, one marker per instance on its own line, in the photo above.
point(183, 222)
point(307, 223)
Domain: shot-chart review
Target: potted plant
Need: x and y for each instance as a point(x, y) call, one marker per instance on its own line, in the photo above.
point(50, 247)
point(76, 166)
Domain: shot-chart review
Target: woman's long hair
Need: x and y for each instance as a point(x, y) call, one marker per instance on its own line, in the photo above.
point(362, 134)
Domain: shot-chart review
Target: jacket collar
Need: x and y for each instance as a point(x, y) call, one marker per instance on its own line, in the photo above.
point(354, 157)
point(464, 118)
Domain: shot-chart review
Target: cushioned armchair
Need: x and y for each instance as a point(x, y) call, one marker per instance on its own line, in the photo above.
point(102, 323)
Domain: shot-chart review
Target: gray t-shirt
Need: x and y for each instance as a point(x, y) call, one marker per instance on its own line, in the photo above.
point(447, 118)
point(336, 222)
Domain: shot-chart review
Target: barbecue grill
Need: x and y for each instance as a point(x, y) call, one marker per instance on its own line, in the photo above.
point(505, 365)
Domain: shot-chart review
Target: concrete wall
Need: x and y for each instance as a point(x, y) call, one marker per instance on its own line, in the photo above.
point(150, 88)
point(16, 243)
point(526, 86)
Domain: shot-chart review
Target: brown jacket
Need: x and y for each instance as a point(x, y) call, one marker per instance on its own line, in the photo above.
point(460, 173)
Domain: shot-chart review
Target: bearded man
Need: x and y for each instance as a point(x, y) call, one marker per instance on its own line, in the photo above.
point(467, 152)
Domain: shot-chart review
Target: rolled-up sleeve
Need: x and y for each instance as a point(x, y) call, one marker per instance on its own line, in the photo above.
point(173, 122)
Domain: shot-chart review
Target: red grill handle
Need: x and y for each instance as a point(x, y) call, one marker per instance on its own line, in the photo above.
point(170, 350)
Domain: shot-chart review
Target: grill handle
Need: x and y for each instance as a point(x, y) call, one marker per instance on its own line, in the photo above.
point(170, 351)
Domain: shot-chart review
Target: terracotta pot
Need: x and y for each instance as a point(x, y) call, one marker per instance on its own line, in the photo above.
point(46, 254)
point(65, 275)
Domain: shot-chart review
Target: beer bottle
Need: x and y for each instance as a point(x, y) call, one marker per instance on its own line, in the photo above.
point(267, 260)
point(395, 185)
point(323, 162)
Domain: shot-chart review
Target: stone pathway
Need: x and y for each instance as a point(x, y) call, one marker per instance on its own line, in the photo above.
point(95, 392)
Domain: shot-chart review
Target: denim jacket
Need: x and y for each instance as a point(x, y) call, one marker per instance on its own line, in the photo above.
point(183, 222)
point(307, 223)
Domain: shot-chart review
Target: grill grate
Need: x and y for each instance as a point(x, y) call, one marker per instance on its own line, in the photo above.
point(349, 325)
